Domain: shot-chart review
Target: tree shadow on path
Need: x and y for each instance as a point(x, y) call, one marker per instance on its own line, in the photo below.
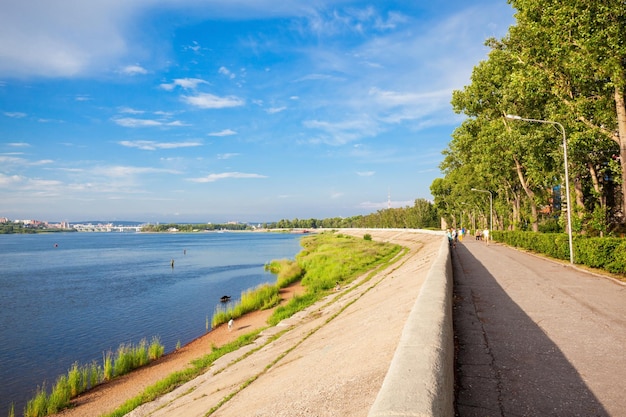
point(505, 365)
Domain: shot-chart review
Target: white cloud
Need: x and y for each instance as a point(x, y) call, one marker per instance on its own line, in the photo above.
point(273, 110)
point(225, 175)
point(225, 71)
point(6, 161)
point(225, 132)
point(21, 183)
point(125, 171)
point(366, 173)
point(227, 155)
point(14, 114)
point(343, 132)
point(128, 110)
point(19, 144)
point(133, 122)
point(134, 70)
point(148, 145)
point(210, 101)
point(186, 83)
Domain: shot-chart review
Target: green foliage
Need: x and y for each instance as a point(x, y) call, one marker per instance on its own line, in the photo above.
point(108, 371)
point(38, 406)
point(422, 215)
point(367, 236)
point(123, 360)
point(156, 349)
point(260, 298)
point(550, 225)
point(294, 305)
point(176, 379)
point(81, 378)
point(540, 70)
point(74, 377)
point(603, 253)
point(194, 227)
point(329, 258)
point(60, 396)
point(287, 271)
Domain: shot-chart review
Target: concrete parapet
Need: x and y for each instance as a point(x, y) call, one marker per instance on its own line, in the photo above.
point(420, 379)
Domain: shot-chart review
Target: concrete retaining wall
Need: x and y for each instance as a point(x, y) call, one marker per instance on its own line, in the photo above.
point(420, 379)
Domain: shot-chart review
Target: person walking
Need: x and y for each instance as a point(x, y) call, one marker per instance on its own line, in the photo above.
point(486, 235)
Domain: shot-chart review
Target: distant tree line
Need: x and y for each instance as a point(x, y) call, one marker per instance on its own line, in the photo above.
point(20, 228)
point(194, 227)
point(422, 215)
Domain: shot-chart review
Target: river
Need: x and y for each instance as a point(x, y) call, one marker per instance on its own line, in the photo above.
point(70, 297)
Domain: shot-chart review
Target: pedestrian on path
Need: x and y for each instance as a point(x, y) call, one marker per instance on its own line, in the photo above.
point(486, 235)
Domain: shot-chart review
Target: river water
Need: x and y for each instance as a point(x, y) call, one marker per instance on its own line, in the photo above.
point(73, 296)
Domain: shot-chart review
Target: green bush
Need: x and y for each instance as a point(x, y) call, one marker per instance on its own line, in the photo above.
point(606, 253)
point(618, 264)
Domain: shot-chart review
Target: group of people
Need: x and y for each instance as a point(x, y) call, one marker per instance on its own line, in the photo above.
point(455, 235)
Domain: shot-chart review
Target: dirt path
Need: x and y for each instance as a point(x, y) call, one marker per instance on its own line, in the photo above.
point(329, 360)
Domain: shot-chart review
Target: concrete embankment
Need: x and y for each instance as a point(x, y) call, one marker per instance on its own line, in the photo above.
point(381, 345)
point(420, 380)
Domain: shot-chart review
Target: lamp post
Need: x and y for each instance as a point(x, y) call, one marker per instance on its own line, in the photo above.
point(569, 207)
point(490, 205)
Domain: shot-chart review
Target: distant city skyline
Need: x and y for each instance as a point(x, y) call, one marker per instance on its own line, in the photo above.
point(217, 111)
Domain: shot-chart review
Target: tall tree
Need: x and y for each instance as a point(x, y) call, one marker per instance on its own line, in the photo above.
point(581, 46)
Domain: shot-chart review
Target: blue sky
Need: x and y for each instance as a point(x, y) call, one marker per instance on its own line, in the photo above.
point(229, 110)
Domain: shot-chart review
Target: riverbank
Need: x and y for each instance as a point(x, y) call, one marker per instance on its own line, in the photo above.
point(369, 342)
point(107, 397)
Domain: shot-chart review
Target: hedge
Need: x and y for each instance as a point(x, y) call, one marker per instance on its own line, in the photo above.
point(608, 253)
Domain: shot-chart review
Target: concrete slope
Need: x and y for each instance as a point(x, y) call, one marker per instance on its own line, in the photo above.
point(331, 359)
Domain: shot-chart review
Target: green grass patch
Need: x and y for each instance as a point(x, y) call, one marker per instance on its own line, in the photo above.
point(287, 272)
point(260, 298)
point(328, 259)
point(173, 381)
point(331, 258)
point(81, 378)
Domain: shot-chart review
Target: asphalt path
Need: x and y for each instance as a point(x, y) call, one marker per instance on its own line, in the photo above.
point(535, 337)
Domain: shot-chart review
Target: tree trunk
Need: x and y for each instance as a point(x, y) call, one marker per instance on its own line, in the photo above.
point(596, 183)
point(529, 193)
point(578, 190)
point(621, 132)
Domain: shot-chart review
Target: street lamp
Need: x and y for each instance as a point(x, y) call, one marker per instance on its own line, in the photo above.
point(569, 207)
point(490, 206)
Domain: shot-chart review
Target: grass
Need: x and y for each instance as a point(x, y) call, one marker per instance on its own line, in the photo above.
point(260, 298)
point(287, 272)
point(326, 259)
point(82, 378)
point(177, 379)
point(329, 259)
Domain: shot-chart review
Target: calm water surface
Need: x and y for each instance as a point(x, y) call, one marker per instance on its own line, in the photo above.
point(70, 297)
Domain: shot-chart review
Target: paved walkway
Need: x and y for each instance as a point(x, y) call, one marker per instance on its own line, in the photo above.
point(536, 337)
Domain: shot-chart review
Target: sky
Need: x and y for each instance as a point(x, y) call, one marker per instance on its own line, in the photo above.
point(230, 110)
